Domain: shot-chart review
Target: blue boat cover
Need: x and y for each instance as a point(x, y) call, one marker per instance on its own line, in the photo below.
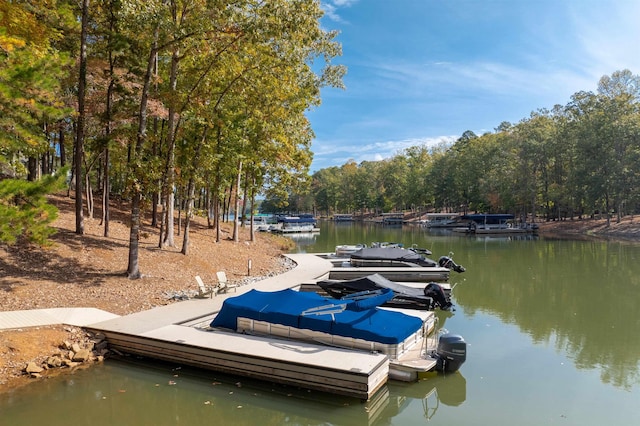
point(286, 307)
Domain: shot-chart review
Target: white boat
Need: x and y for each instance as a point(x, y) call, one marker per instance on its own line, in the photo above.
point(395, 264)
point(424, 297)
point(260, 223)
point(494, 224)
point(392, 218)
point(345, 250)
point(441, 220)
point(295, 227)
point(356, 323)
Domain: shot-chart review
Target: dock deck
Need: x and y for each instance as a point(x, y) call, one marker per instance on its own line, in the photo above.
point(179, 333)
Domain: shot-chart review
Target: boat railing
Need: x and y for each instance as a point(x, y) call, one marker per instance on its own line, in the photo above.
point(330, 309)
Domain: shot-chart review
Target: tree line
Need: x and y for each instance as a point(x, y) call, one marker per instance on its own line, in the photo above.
point(160, 103)
point(575, 160)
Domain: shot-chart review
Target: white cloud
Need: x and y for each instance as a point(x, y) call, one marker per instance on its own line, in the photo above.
point(608, 37)
point(434, 89)
point(327, 155)
point(331, 8)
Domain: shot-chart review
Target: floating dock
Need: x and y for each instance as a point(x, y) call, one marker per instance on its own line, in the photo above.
point(179, 333)
point(358, 374)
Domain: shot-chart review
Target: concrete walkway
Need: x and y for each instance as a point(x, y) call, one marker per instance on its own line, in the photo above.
point(78, 317)
point(308, 268)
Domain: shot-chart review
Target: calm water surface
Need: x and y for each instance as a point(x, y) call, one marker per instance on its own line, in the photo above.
point(553, 328)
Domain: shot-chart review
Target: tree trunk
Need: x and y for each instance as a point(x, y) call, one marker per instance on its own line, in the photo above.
point(133, 268)
point(156, 151)
point(180, 208)
point(244, 200)
point(162, 225)
point(236, 206)
point(133, 271)
point(252, 230)
point(89, 196)
point(82, 81)
point(187, 215)
point(209, 205)
point(169, 169)
point(63, 153)
point(105, 193)
point(216, 208)
point(32, 169)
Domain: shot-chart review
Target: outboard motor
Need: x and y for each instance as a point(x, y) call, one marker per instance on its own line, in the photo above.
point(435, 292)
point(451, 353)
point(447, 262)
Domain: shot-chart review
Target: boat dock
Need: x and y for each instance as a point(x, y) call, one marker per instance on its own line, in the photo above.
point(180, 333)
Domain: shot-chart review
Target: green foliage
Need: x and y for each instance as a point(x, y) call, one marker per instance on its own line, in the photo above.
point(578, 159)
point(24, 211)
point(30, 73)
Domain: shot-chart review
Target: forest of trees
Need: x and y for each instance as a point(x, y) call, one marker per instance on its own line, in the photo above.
point(160, 103)
point(575, 160)
point(200, 104)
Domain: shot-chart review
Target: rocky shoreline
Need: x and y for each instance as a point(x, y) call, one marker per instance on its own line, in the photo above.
point(85, 348)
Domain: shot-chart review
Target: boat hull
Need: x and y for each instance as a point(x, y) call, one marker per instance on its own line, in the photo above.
point(393, 273)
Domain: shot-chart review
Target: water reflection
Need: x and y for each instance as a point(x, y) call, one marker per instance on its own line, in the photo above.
point(551, 326)
point(304, 239)
point(581, 296)
point(137, 391)
point(429, 392)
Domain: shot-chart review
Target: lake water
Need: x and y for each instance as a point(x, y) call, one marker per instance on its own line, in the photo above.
point(553, 333)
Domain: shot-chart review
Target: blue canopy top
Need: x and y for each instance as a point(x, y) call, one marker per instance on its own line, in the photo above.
point(286, 307)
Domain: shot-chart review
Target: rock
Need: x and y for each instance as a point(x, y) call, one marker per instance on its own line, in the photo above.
point(33, 368)
point(75, 347)
point(69, 363)
point(81, 355)
point(54, 362)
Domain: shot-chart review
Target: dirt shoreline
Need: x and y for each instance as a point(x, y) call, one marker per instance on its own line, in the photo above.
point(88, 271)
point(628, 228)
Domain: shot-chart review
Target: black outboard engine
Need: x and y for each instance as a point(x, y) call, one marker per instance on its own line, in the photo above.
point(447, 262)
point(451, 353)
point(435, 292)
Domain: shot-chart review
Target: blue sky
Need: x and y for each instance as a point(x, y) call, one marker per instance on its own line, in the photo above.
point(424, 71)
